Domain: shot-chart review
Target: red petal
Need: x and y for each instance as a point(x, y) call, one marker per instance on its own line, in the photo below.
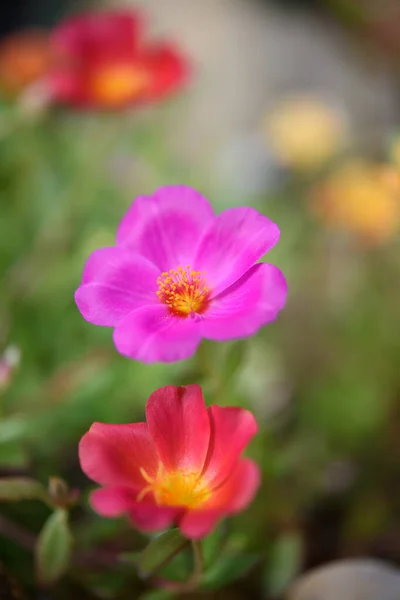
point(146, 515)
point(231, 497)
point(65, 86)
point(113, 454)
point(91, 33)
point(196, 524)
point(231, 430)
point(113, 501)
point(238, 490)
point(179, 425)
point(168, 70)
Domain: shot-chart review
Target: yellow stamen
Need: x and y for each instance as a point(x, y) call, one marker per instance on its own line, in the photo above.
point(184, 291)
point(177, 488)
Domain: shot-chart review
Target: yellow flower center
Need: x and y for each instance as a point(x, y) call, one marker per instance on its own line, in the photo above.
point(184, 291)
point(113, 85)
point(178, 488)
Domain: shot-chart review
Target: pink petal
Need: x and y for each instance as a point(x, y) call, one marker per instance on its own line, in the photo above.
point(179, 425)
point(88, 33)
point(254, 300)
point(196, 524)
point(102, 305)
point(150, 334)
point(167, 67)
point(114, 283)
point(113, 454)
point(238, 490)
point(63, 85)
point(231, 497)
point(146, 515)
point(232, 428)
point(232, 243)
point(113, 501)
point(166, 226)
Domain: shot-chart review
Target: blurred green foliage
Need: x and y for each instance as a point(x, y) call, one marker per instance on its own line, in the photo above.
point(323, 380)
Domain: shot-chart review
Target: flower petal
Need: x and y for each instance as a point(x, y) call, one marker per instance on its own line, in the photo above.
point(238, 490)
point(113, 501)
point(231, 497)
point(166, 68)
point(179, 425)
point(146, 515)
point(102, 305)
point(63, 85)
point(166, 226)
point(150, 334)
point(196, 524)
point(232, 428)
point(113, 454)
point(88, 34)
point(254, 300)
point(232, 243)
point(114, 283)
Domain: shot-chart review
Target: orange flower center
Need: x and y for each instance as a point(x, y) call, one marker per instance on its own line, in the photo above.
point(184, 291)
point(178, 488)
point(113, 85)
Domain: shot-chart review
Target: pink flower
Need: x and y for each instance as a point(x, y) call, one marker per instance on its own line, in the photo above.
point(179, 274)
point(183, 466)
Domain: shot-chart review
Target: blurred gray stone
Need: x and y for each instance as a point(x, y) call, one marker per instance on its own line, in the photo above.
point(356, 579)
point(246, 165)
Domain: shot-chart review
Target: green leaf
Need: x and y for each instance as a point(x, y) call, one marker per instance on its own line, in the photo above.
point(53, 548)
point(13, 489)
point(14, 455)
point(284, 563)
point(160, 550)
point(129, 557)
point(230, 568)
point(156, 595)
point(13, 428)
point(235, 358)
point(211, 545)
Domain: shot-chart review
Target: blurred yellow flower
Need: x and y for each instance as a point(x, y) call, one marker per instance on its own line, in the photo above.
point(363, 198)
point(304, 132)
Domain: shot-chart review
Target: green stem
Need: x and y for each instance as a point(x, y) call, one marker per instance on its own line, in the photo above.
point(192, 581)
point(198, 563)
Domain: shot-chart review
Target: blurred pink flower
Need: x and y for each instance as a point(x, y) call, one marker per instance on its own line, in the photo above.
point(184, 465)
point(179, 274)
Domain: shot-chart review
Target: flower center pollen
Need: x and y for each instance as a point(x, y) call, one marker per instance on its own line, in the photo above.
point(184, 291)
point(112, 85)
point(178, 488)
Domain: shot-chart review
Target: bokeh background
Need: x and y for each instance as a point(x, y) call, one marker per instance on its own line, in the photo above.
point(291, 107)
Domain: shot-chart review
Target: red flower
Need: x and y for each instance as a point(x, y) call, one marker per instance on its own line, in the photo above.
point(103, 62)
point(184, 465)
